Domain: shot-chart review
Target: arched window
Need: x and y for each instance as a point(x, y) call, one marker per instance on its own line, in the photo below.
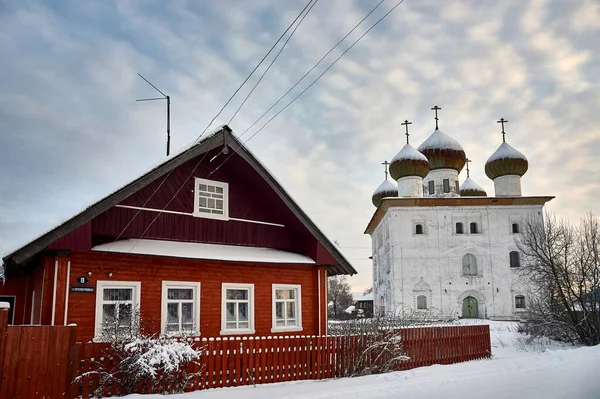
point(520, 302)
point(515, 228)
point(469, 263)
point(459, 228)
point(419, 229)
point(421, 302)
point(515, 260)
point(473, 226)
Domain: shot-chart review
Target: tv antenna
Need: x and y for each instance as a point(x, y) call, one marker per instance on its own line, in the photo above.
point(165, 97)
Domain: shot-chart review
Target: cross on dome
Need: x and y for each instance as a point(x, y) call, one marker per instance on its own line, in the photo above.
point(386, 163)
point(436, 108)
point(406, 123)
point(503, 121)
point(467, 161)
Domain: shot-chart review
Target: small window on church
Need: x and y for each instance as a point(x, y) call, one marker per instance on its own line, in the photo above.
point(520, 302)
point(211, 199)
point(419, 229)
point(459, 228)
point(446, 185)
point(431, 187)
point(421, 302)
point(457, 187)
point(515, 260)
point(515, 228)
point(469, 263)
point(474, 228)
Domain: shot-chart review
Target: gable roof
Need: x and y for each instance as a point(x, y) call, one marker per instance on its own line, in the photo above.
point(223, 136)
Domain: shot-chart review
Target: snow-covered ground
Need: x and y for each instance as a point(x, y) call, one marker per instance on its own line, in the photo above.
point(546, 370)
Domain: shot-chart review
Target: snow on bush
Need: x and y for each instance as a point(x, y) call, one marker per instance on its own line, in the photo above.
point(136, 362)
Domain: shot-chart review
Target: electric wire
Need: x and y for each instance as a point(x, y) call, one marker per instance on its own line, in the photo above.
point(272, 62)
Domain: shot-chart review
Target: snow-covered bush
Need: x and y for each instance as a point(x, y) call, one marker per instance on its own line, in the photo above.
point(137, 362)
point(378, 346)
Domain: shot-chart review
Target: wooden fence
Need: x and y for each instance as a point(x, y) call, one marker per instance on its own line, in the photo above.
point(36, 361)
point(43, 361)
point(239, 361)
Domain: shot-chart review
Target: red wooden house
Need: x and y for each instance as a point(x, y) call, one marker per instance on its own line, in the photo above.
point(198, 245)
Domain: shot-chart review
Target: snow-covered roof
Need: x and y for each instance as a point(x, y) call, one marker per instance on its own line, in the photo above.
point(194, 250)
point(4, 305)
point(410, 153)
point(350, 309)
point(506, 151)
point(471, 185)
point(366, 297)
point(386, 187)
point(440, 140)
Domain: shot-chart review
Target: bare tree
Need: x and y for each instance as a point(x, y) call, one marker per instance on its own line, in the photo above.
point(338, 293)
point(368, 291)
point(562, 263)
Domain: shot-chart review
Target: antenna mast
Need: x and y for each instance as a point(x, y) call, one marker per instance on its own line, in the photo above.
point(165, 97)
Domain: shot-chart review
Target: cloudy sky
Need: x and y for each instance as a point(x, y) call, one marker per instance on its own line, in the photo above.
point(71, 131)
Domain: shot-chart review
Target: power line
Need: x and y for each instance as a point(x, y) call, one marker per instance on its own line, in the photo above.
point(272, 62)
point(325, 71)
point(314, 81)
point(201, 134)
point(254, 70)
point(313, 67)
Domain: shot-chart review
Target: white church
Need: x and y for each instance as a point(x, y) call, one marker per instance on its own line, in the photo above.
point(448, 248)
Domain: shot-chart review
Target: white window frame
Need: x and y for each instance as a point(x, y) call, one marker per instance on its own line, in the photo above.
point(195, 286)
point(297, 300)
point(524, 308)
point(225, 186)
point(100, 286)
point(236, 331)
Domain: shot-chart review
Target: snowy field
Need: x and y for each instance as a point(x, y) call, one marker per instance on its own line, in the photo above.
point(545, 370)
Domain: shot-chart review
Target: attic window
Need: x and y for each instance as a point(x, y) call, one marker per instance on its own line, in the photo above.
point(211, 199)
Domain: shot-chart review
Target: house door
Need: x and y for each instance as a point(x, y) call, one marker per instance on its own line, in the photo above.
point(470, 308)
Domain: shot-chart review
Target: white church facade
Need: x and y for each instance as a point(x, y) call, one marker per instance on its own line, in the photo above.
point(447, 248)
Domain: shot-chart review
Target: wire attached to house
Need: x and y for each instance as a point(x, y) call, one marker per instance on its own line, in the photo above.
point(316, 80)
point(204, 131)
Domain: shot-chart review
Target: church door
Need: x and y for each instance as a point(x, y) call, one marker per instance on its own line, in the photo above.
point(470, 308)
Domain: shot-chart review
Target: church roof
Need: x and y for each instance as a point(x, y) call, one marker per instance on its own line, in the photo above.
point(385, 189)
point(470, 188)
point(409, 162)
point(425, 202)
point(443, 152)
point(506, 161)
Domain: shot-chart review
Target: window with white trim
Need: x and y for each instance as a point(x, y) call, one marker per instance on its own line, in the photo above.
point(422, 302)
point(469, 264)
point(237, 313)
point(117, 304)
point(287, 308)
point(180, 313)
point(520, 302)
point(211, 199)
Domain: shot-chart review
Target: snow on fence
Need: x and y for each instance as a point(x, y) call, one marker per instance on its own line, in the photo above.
point(235, 361)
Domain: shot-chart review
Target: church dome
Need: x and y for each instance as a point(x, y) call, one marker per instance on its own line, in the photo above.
point(385, 189)
point(443, 152)
point(409, 162)
point(506, 161)
point(471, 189)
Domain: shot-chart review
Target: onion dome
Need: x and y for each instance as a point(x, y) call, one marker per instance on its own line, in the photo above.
point(471, 189)
point(443, 152)
point(506, 161)
point(385, 189)
point(409, 162)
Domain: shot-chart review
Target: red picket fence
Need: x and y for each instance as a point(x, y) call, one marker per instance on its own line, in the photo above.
point(239, 361)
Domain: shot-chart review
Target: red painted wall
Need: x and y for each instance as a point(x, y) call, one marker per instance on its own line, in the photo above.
point(151, 271)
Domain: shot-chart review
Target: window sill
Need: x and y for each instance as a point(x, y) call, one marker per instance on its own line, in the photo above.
point(286, 329)
point(237, 332)
point(206, 215)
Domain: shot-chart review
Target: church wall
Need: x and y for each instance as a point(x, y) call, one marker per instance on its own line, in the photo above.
point(431, 263)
